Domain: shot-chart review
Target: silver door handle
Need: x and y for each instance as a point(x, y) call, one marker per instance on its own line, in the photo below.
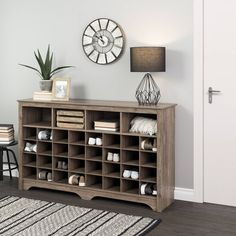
point(210, 92)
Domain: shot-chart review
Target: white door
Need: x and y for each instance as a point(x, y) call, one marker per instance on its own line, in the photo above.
point(220, 115)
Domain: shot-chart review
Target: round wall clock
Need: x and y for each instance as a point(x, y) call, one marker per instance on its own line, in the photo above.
point(103, 41)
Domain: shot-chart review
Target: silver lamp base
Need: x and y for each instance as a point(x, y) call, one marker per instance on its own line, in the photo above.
point(148, 93)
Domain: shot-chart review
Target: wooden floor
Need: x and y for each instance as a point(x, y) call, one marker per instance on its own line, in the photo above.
point(182, 218)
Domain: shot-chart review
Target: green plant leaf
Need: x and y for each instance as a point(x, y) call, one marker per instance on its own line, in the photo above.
point(59, 68)
point(30, 67)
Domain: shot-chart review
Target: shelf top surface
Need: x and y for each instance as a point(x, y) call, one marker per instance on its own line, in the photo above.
point(101, 103)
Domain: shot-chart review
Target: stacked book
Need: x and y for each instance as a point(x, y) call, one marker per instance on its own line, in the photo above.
point(108, 125)
point(70, 119)
point(42, 96)
point(6, 134)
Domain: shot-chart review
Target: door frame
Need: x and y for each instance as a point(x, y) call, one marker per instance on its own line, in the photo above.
point(198, 99)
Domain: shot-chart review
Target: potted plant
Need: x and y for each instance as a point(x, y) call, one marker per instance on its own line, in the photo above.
point(45, 70)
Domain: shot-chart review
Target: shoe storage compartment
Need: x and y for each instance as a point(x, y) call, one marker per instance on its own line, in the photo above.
point(85, 151)
point(35, 116)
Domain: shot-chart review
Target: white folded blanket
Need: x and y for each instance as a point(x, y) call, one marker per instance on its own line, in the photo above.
point(143, 125)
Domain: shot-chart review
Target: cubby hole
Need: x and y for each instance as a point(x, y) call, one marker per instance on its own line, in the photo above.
point(76, 138)
point(29, 159)
point(60, 136)
point(94, 168)
point(77, 152)
point(130, 168)
point(107, 152)
point(29, 134)
point(94, 153)
point(93, 181)
point(111, 170)
point(45, 173)
point(111, 184)
point(93, 135)
point(44, 148)
point(60, 164)
point(60, 150)
point(69, 119)
point(60, 177)
point(100, 116)
point(77, 166)
point(148, 175)
point(29, 172)
point(130, 157)
point(130, 142)
point(111, 140)
point(129, 186)
point(44, 162)
point(150, 195)
point(148, 159)
point(128, 117)
point(43, 138)
point(36, 116)
point(29, 144)
point(148, 144)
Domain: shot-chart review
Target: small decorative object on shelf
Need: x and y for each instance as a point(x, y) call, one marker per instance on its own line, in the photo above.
point(45, 70)
point(108, 125)
point(147, 59)
point(70, 119)
point(42, 96)
point(143, 125)
point(61, 89)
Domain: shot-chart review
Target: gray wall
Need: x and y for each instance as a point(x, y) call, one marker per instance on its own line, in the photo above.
point(26, 25)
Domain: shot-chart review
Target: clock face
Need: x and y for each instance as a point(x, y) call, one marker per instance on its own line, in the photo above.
point(103, 41)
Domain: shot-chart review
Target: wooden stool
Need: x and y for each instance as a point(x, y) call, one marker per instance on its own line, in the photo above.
point(11, 165)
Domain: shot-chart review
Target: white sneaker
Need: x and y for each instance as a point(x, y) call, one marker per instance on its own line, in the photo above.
point(109, 156)
point(92, 141)
point(126, 173)
point(134, 175)
point(116, 157)
point(99, 141)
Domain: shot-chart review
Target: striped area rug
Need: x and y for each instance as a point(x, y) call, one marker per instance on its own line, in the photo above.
point(23, 216)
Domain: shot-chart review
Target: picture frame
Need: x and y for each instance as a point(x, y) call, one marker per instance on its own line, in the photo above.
point(61, 89)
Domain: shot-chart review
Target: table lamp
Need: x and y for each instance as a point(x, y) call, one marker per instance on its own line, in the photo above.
point(147, 59)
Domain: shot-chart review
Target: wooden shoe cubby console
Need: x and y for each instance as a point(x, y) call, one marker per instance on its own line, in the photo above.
point(103, 178)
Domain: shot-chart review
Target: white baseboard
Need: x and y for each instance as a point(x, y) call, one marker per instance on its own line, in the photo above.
point(184, 194)
point(15, 172)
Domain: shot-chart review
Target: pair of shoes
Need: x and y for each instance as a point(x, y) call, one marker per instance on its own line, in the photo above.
point(149, 144)
point(45, 175)
point(95, 141)
point(44, 135)
point(148, 189)
point(29, 147)
point(131, 174)
point(49, 176)
point(62, 165)
point(113, 157)
point(77, 180)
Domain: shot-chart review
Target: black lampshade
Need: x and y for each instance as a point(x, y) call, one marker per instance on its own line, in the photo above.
point(147, 59)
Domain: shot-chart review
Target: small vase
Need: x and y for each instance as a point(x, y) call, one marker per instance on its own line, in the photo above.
point(45, 85)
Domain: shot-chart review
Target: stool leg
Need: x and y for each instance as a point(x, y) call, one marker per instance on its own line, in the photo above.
point(14, 156)
point(1, 160)
point(9, 164)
